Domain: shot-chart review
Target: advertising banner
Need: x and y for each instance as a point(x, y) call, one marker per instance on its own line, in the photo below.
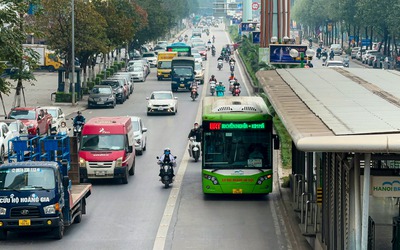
point(248, 26)
point(385, 186)
point(279, 54)
point(256, 36)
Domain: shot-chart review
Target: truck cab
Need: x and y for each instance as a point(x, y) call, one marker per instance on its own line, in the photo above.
point(182, 73)
point(36, 193)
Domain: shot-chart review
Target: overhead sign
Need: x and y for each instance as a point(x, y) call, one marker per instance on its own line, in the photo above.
point(255, 6)
point(279, 54)
point(365, 42)
point(256, 36)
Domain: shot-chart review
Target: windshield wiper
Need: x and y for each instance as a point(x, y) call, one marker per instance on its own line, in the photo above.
point(214, 170)
point(13, 189)
point(39, 187)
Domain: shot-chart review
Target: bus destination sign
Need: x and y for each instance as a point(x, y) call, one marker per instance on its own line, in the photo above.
point(236, 126)
point(178, 49)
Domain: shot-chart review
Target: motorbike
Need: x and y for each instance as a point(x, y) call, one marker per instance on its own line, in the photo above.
point(193, 93)
point(220, 65)
point(231, 82)
point(194, 149)
point(209, 46)
point(220, 90)
point(331, 56)
point(232, 66)
point(323, 60)
point(213, 39)
point(78, 130)
point(166, 172)
point(226, 58)
point(346, 62)
point(236, 91)
point(212, 87)
point(213, 52)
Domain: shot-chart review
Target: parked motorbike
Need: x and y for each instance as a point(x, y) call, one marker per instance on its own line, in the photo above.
point(232, 66)
point(212, 87)
point(166, 172)
point(220, 65)
point(236, 91)
point(194, 149)
point(193, 93)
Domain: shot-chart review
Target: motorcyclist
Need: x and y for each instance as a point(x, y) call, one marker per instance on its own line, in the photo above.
point(232, 60)
point(194, 85)
point(79, 119)
point(232, 77)
point(63, 129)
point(220, 58)
point(213, 38)
point(319, 50)
point(195, 132)
point(167, 159)
point(324, 53)
point(213, 79)
point(220, 88)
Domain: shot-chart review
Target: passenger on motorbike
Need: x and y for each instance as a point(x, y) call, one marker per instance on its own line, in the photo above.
point(79, 119)
point(63, 129)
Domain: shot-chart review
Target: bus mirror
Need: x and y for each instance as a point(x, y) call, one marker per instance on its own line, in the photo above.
point(130, 149)
point(65, 181)
point(276, 141)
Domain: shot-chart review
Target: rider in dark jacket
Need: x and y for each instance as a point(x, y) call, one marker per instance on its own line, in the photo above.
point(79, 119)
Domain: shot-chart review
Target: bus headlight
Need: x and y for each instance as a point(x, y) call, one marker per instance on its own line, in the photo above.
point(261, 179)
point(213, 179)
point(3, 211)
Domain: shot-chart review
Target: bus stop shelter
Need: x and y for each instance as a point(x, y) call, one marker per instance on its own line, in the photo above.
point(345, 128)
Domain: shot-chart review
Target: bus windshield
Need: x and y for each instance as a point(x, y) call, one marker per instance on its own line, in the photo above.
point(237, 149)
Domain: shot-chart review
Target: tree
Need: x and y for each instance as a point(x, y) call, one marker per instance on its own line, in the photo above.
point(12, 35)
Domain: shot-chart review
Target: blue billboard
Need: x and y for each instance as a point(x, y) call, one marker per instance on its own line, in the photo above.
point(248, 27)
point(280, 54)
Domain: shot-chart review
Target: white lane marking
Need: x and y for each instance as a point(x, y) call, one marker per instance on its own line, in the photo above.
point(165, 222)
point(238, 66)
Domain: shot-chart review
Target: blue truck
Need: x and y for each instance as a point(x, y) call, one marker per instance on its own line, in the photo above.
point(182, 73)
point(36, 186)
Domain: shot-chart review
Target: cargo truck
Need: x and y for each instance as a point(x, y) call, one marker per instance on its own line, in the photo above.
point(182, 73)
point(164, 60)
point(39, 187)
point(48, 60)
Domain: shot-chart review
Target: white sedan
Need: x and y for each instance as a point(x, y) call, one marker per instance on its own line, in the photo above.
point(5, 136)
point(151, 58)
point(140, 133)
point(58, 116)
point(162, 102)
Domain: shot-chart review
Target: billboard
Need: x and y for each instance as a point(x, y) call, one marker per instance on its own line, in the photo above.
point(256, 36)
point(279, 54)
point(248, 27)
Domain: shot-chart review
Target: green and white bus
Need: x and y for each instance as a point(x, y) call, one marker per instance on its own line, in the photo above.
point(237, 146)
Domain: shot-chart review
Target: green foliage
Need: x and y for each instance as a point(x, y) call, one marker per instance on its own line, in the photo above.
point(64, 97)
point(98, 79)
point(109, 72)
point(90, 85)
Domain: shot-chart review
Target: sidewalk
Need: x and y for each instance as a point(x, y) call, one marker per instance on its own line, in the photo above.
point(39, 94)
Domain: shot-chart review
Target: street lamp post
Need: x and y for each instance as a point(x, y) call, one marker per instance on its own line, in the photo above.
point(73, 52)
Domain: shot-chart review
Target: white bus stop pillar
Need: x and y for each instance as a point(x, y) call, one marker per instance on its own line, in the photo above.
point(365, 205)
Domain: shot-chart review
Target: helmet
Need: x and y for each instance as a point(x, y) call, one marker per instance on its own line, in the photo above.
point(167, 151)
point(212, 76)
point(220, 83)
point(79, 113)
point(232, 74)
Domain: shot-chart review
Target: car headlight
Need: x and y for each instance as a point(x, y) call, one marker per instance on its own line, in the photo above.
point(3, 211)
point(118, 162)
point(82, 162)
point(51, 209)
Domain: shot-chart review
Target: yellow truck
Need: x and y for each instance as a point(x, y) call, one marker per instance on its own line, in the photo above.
point(48, 60)
point(164, 60)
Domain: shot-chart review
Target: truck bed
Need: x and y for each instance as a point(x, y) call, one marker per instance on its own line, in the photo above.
point(78, 192)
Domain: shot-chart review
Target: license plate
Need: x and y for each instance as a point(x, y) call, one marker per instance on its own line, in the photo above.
point(100, 102)
point(182, 85)
point(237, 191)
point(24, 223)
point(166, 75)
point(100, 173)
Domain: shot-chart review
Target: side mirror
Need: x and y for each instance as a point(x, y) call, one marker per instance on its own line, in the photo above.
point(130, 149)
point(144, 129)
point(147, 98)
point(65, 181)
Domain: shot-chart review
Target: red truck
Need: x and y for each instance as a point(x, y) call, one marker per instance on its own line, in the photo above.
point(37, 120)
